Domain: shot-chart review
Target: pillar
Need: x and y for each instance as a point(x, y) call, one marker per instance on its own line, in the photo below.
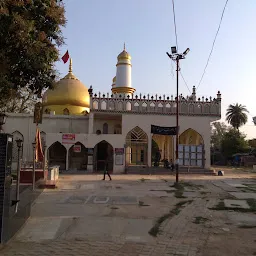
point(149, 149)
point(67, 158)
point(90, 129)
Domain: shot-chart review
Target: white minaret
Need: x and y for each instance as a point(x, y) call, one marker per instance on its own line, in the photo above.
point(123, 83)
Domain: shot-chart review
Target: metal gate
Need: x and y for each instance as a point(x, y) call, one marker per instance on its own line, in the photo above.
point(191, 155)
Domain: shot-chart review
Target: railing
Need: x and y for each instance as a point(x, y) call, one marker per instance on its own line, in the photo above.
point(157, 105)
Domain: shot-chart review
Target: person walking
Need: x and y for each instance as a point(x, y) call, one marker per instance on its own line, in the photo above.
point(106, 169)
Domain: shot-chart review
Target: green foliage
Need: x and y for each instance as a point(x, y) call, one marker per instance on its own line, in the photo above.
point(236, 115)
point(252, 143)
point(233, 142)
point(30, 34)
point(218, 131)
point(21, 101)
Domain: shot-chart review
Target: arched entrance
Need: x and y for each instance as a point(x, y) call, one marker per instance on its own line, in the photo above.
point(102, 151)
point(57, 155)
point(78, 157)
point(191, 148)
point(165, 147)
point(136, 147)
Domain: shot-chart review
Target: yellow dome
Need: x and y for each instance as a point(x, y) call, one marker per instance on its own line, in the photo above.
point(124, 55)
point(114, 79)
point(67, 94)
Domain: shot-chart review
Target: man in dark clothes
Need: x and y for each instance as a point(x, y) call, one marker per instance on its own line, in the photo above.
point(106, 168)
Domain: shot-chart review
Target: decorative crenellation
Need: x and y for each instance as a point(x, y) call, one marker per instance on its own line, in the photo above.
point(157, 104)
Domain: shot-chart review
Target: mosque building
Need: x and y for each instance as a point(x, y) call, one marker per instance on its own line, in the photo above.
point(80, 127)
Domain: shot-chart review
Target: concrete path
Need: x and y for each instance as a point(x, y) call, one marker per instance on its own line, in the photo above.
point(87, 216)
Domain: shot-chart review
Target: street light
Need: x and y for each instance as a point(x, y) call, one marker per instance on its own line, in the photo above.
point(34, 165)
point(19, 143)
point(177, 57)
point(3, 117)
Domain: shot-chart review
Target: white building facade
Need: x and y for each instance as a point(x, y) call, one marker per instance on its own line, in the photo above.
point(81, 128)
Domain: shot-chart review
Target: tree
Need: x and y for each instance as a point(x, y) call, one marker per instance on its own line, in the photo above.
point(30, 34)
point(236, 115)
point(218, 131)
point(233, 142)
point(20, 101)
point(252, 143)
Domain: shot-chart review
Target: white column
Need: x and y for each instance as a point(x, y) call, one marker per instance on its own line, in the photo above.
point(149, 149)
point(90, 129)
point(207, 155)
point(67, 158)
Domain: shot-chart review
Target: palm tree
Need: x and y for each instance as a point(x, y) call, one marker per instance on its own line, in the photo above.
point(236, 115)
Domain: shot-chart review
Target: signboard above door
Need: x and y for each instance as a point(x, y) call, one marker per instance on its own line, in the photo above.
point(161, 130)
point(68, 138)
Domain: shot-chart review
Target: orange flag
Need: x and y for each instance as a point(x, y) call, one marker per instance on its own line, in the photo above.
point(39, 150)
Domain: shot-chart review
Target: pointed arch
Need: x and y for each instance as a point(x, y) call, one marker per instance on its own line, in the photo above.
point(57, 155)
point(103, 151)
point(66, 111)
point(191, 137)
point(103, 105)
point(95, 104)
point(136, 135)
point(136, 147)
point(105, 128)
point(78, 157)
point(191, 148)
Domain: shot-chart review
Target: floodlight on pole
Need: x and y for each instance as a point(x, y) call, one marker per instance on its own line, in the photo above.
point(186, 52)
point(174, 49)
point(177, 57)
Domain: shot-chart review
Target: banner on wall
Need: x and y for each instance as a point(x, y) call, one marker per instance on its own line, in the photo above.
point(119, 156)
point(119, 151)
point(68, 138)
point(161, 130)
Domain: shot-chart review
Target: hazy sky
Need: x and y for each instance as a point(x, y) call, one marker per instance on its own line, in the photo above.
point(97, 29)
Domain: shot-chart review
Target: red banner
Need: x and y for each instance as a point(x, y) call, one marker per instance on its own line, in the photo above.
point(68, 138)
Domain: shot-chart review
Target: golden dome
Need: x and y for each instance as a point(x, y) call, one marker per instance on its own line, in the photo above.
point(68, 93)
point(114, 79)
point(124, 55)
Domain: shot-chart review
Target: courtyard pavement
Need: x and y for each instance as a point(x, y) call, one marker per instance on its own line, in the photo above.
point(142, 215)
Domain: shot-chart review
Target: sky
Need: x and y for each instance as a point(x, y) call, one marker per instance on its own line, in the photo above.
point(97, 29)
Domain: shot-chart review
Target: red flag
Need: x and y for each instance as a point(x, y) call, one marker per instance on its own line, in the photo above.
point(65, 57)
point(39, 151)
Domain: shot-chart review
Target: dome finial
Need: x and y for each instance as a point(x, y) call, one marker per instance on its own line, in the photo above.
point(70, 66)
point(124, 46)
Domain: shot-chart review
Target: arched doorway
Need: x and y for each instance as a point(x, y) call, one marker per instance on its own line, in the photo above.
point(165, 146)
point(191, 148)
point(57, 155)
point(102, 151)
point(78, 157)
point(136, 147)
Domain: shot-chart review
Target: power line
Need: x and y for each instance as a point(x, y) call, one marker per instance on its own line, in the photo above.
point(174, 21)
point(176, 36)
point(213, 44)
point(185, 81)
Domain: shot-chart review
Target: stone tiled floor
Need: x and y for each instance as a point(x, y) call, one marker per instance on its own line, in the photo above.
point(69, 222)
